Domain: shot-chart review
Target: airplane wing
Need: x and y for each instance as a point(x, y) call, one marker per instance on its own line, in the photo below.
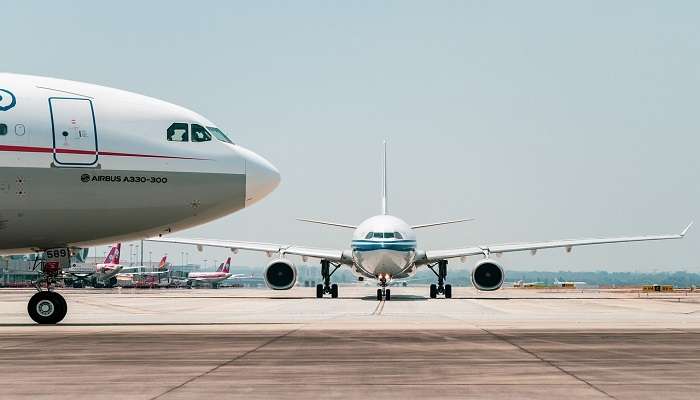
point(269, 248)
point(436, 255)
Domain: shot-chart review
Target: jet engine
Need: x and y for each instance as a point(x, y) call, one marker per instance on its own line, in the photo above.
point(280, 274)
point(487, 275)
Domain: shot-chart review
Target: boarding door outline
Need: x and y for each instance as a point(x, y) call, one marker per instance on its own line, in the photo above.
point(74, 131)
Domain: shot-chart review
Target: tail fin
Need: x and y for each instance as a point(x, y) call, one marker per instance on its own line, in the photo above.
point(227, 266)
point(385, 204)
point(113, 256)
point(162, 264)
point(221, 267)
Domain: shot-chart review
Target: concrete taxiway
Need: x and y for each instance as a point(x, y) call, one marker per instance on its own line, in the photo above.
point(259, 344)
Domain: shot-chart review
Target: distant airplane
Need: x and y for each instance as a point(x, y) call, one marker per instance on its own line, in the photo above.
point(384, 248)
point(102, 273)
point(83, 165)
point(213, 278)
point(140, 270)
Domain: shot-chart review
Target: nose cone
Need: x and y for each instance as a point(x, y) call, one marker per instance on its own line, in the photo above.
point(261, 177)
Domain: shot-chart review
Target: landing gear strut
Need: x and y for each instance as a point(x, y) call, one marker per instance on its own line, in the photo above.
point(47, 306)
point(383, 293)
point(326, 287)
point(441, 274)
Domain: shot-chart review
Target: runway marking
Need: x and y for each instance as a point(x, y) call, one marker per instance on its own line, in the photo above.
point(226, 363)
point(379, 309)
point(550, 363)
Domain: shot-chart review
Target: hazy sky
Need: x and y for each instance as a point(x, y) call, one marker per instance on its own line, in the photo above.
point(542, 119)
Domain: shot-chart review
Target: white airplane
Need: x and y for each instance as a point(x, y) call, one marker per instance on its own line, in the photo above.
point(221, 274)
point(74, 155)
point(142, 270)
point(384, 247)
point(102, 272)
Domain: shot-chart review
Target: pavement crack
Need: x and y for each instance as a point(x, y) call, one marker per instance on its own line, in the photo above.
point(548, 362)
point(225, 363)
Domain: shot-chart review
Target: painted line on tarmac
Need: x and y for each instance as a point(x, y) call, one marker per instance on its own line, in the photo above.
point(379, 309)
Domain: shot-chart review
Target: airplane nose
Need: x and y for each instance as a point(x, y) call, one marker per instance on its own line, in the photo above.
point(261, 177)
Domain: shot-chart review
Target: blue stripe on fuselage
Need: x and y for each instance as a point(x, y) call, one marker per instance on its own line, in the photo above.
point(396, 245)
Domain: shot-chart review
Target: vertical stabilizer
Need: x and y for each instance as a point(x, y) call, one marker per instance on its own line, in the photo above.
point(162, 264)
point(227, 265)
point(113, 256)
point(385, 204)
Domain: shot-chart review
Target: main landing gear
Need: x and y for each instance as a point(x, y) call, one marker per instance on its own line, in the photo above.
point(441, 274)
point(326, 287)
point(383, 293)
point(47, 306)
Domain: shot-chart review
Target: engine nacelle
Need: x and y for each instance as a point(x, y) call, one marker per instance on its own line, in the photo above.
point(280, 274)
point(487, 275)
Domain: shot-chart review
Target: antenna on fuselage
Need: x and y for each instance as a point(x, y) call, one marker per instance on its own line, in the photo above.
point(385, 205)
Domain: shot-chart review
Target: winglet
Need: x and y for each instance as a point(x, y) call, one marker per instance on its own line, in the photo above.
point(687, 228)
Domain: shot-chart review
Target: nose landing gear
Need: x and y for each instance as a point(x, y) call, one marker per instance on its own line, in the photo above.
point(441, 287)
point(383, 293)
point(326, 287)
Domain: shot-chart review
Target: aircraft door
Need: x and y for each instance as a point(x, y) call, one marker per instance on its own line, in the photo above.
point(74, 132)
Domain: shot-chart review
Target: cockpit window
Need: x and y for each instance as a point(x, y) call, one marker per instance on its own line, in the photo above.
point(388, 235)
point(178, 132)
point(398, 235)
point(219, 135)
point(378, 235)
point(369, 235)
point(199, 134)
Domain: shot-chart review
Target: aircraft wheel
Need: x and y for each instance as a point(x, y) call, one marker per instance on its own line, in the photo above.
point(334, 291)
point(433, 291)
point(387, 295)
point(319, 291)
point(379, 294)
point(448, 291)
point(47, 307)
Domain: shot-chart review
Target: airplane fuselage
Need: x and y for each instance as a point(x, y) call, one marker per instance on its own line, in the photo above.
point(208, 277)
point(384, 246)
point(82, 165)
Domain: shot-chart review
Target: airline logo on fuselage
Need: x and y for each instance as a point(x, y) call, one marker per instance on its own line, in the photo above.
point(7, 100)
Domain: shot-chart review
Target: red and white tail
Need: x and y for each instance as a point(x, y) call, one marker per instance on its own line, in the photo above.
point(221, 267)
point(162, 264)
point(227, 266)
point(113, 256)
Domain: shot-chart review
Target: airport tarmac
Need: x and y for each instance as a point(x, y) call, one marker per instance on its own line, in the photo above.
point(260, 344)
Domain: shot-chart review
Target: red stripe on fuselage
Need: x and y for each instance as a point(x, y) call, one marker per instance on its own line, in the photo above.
point(33, 149)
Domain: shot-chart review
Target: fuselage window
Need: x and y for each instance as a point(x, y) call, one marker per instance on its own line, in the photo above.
point(199, 134)
point(398, 235)
point(369, 235)
point(178, 132)
point(219, 135)
point(3, 129)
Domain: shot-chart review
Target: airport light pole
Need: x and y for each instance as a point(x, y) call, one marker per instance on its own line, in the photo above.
point(131, 254)
point(142, 253)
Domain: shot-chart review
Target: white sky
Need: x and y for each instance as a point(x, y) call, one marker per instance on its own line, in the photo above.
point(543, 119)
